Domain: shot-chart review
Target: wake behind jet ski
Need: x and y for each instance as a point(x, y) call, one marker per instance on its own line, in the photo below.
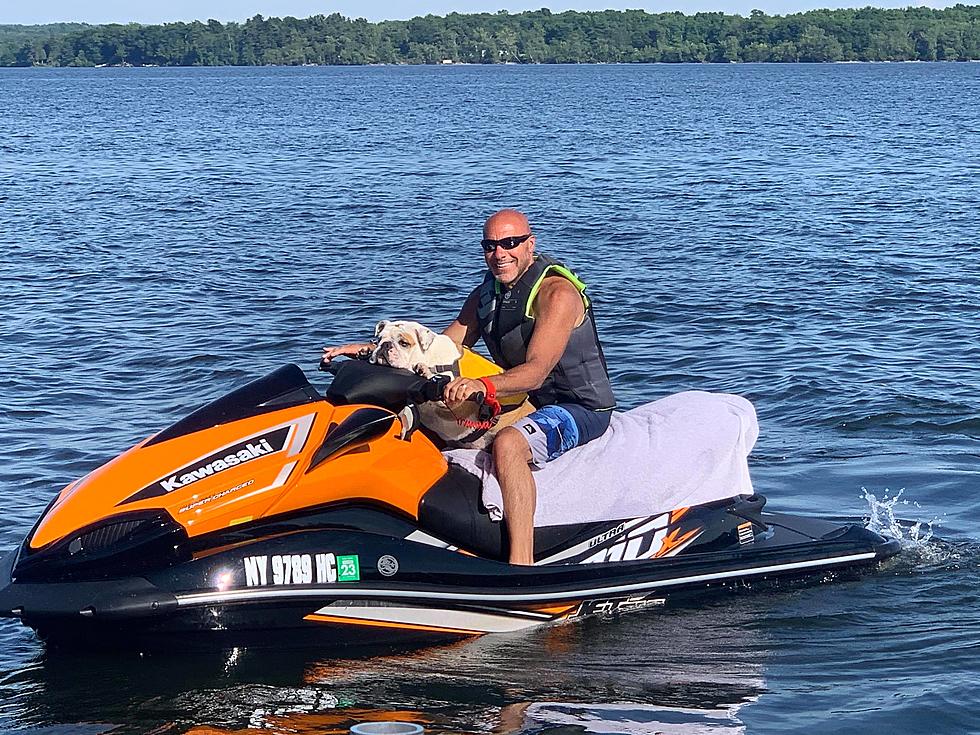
point(279, 515)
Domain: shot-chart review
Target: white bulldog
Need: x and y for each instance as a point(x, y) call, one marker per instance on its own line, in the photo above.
point(413, 346)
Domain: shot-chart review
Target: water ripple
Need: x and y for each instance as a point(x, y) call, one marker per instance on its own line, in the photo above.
point(802, 235)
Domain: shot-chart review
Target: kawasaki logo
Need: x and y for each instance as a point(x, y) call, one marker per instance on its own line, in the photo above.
point(226, 458)
point(250, 452)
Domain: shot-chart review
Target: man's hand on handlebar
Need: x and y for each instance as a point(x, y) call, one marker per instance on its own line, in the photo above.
point(355, 349)
point(460, 389)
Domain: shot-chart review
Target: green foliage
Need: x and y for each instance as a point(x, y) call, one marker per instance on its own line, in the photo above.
point(536, 37)
point(16, 35)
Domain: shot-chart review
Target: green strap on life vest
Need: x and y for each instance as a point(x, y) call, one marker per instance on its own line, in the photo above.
point(562, 271)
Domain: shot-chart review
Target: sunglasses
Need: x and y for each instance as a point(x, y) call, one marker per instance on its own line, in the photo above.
point(507, 243)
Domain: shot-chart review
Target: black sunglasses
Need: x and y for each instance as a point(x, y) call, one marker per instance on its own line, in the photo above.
point(507, 243)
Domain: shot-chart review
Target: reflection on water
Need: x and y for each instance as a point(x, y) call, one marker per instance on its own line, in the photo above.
point(530, 717)
point(630, 717)
point(680, 669)
point(318, 722)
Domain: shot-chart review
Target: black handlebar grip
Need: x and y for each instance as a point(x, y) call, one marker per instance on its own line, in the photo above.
point(433, 388)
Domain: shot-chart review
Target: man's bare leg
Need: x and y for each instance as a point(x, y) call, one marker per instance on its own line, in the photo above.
point(511, 455)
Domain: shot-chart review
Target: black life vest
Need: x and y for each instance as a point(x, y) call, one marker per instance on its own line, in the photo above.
point(506, 324)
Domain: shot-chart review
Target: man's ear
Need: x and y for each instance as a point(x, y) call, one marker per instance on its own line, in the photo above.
point(425, 337)
point(379, 327)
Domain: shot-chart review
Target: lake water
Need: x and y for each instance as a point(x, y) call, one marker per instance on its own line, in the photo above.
point(805, 236)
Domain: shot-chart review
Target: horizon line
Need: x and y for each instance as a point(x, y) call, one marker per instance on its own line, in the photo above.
point(205, 21)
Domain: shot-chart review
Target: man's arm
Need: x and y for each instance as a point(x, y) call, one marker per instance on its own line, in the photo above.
point(465, 331)
point(355, 349)
point(558, 310)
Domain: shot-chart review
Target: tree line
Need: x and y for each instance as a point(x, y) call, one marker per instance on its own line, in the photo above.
point(18, 34)
point(867, 34)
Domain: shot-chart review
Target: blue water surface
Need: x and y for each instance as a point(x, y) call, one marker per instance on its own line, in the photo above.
point(802, 235)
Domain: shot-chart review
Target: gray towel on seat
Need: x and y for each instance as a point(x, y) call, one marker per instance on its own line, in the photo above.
point(685, 449)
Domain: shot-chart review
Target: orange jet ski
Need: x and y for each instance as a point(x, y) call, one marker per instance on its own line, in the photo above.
point(277, 515)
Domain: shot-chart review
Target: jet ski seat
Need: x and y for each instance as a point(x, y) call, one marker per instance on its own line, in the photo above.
point(452, 510)
point(686, 449)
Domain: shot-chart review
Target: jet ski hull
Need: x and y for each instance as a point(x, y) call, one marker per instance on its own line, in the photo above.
point(401, 590)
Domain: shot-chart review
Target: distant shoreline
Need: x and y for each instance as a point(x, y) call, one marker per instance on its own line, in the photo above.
point(534, 37)
point(404, 65)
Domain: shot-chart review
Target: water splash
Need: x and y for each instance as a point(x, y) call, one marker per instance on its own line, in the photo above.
point(882, 519)
point(922, 550)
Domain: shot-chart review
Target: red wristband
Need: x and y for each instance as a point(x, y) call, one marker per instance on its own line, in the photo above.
point(491, 388)
point(490, 398)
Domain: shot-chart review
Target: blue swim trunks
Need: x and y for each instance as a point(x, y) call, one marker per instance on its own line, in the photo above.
point(553, 430)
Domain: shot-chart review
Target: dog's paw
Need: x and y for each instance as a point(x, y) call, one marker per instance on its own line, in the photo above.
point(423, 370)
point(409, 417)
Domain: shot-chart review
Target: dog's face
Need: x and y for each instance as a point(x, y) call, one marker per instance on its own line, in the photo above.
point(408, 345)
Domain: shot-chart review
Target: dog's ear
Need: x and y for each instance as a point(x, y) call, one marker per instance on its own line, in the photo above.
point(425, 337)
point(379, 327)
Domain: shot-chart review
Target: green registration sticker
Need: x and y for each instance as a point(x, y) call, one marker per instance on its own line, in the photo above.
point(348, 568)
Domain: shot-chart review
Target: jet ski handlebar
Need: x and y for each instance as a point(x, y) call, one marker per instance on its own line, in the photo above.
point(433, 389)
point(329, 366)
point(357, 381)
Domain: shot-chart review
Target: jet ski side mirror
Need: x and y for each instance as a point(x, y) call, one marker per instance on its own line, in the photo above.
point(361, 426)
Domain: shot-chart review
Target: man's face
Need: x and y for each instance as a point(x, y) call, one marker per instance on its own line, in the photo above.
point(508, 265)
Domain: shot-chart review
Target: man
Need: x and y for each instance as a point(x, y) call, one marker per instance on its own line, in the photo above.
point(537, 323)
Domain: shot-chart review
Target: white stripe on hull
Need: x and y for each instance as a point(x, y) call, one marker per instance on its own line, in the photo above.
point(477, 622)
point(245, 595)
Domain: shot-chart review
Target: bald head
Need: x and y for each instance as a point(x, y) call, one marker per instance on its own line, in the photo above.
point(509, 230)
point(506, 223)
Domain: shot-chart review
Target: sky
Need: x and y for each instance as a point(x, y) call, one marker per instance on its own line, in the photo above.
point(125, 11)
